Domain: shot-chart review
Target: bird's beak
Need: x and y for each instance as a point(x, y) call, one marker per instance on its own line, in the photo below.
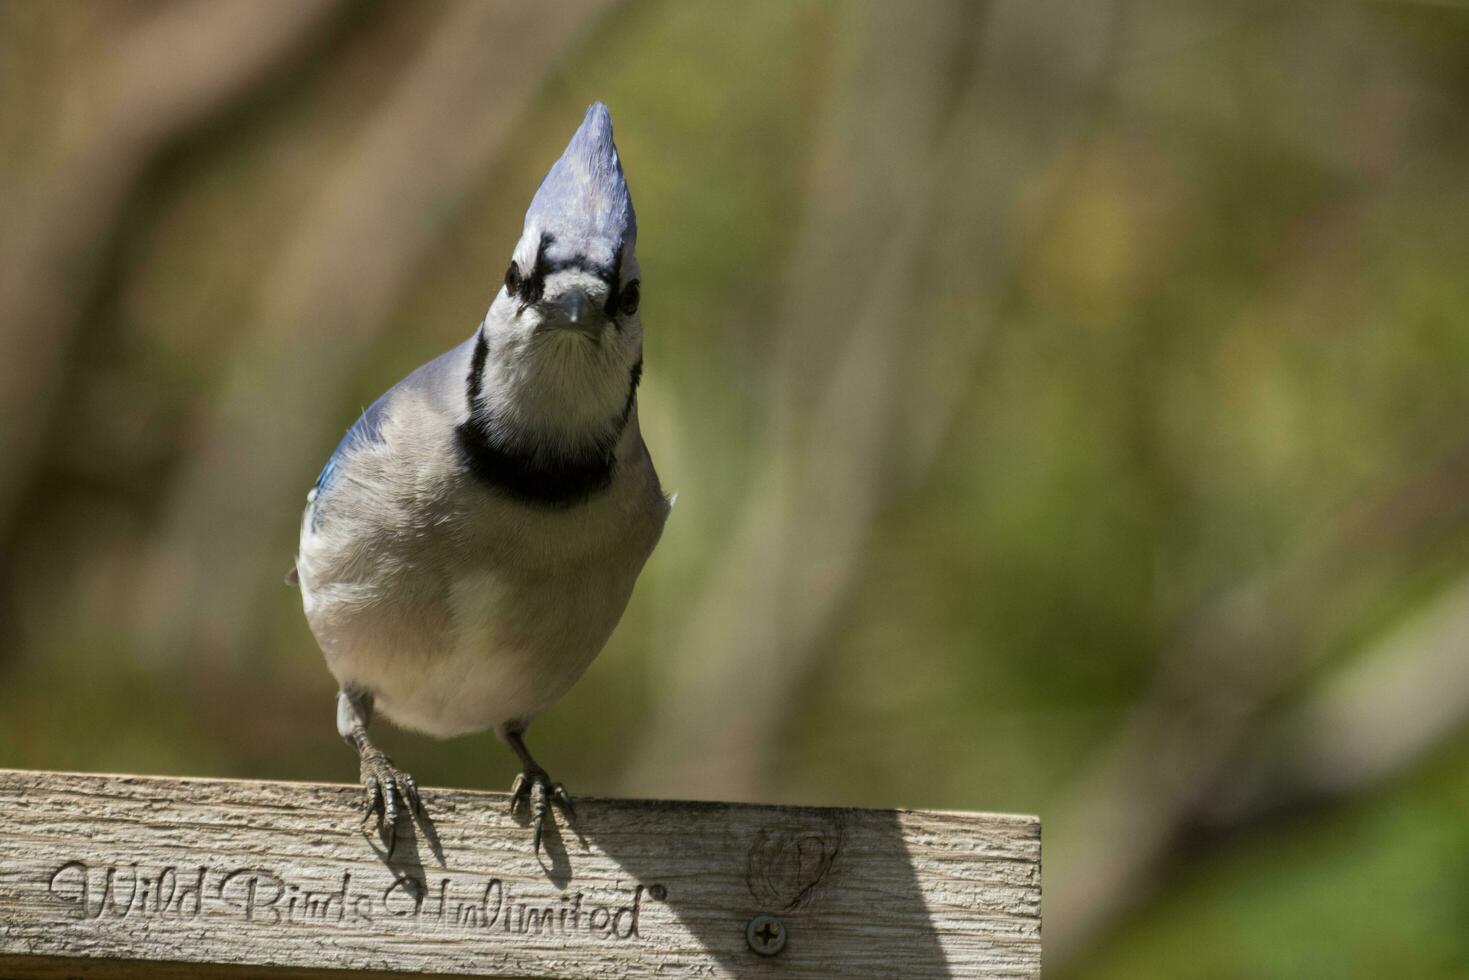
point(574, 303)
point(573, 309)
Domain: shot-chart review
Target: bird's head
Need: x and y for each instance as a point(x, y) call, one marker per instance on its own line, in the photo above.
point(564, 326)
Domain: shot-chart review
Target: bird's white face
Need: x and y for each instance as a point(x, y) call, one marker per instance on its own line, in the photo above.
point(576, 300)
point(565, 342)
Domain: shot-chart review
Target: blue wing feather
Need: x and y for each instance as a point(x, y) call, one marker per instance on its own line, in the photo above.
point(439, 378)
point(367, 429)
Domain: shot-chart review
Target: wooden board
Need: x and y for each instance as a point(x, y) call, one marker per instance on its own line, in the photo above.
point(105, 876)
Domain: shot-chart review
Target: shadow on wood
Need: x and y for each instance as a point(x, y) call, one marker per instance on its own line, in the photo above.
point(110, 876)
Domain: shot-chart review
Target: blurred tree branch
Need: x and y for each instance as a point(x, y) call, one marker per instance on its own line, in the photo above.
point(181, 68)
point(337, 282)
point(1365, 723)
point(795, 544)
point(864, 388)
point(1168, 767)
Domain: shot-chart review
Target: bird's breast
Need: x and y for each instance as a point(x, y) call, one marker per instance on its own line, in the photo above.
point(512, 642)
point(459, 608)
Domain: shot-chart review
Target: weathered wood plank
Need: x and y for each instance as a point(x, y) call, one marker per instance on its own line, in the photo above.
point(98, 873)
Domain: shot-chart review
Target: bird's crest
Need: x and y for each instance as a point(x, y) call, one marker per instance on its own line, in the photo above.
point(583, 203)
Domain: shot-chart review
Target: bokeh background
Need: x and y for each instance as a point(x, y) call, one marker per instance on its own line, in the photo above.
point(1066, 399)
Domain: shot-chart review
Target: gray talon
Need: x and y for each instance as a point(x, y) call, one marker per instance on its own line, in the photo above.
point(563, 800)
point(388, 792)
point(535, 788)
point(519, 791)
point(374, 798)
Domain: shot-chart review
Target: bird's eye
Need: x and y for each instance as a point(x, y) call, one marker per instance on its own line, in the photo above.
point(628, 301)
point(512, 280)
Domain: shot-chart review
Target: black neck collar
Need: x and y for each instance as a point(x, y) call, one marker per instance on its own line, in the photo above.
point(532, 474)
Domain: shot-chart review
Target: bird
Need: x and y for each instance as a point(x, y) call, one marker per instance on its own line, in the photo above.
point(476, 535)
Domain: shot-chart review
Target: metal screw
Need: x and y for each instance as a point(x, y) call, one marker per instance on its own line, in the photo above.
point(766, 934)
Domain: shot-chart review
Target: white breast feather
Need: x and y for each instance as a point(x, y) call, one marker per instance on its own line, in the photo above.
point(463, 610)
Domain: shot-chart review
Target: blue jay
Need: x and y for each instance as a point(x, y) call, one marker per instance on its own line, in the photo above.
point(475, 537)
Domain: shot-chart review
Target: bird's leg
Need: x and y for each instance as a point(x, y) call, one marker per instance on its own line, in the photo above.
point(386, 786)
point(534, 786)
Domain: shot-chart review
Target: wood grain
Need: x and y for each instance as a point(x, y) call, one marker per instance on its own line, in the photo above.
point(110, 876)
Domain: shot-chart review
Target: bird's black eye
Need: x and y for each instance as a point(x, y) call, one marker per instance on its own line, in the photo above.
point(512, 280)
point(628, 301)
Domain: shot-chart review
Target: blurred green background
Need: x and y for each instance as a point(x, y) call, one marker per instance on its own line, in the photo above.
point(1066, 401)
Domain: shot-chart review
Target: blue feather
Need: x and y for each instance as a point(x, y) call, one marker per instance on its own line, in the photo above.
point(440, 375)
point(584, 198)
point(367, 429)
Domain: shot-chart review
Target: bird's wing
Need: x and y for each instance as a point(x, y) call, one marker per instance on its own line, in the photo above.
point(366, 430)
point(440, 382)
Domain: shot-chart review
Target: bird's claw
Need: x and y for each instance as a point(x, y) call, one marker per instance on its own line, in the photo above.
point(534, 787)
point(388, 790)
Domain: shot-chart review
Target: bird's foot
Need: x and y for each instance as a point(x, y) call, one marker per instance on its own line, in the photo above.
point(533, 787)
point(388, 789)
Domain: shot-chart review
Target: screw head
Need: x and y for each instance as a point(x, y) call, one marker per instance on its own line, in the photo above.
point(766, 934)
